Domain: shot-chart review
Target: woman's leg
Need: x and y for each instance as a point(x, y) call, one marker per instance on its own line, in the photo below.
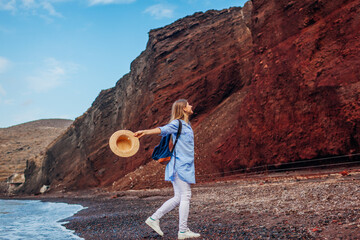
point(185, 195)
point(169, 204)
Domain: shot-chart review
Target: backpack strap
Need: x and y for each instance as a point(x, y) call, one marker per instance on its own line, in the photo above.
point(177, 135)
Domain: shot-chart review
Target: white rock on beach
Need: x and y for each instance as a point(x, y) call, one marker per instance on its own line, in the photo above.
point(44, 188)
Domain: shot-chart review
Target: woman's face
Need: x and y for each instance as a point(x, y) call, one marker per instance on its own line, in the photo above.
point(188, 109)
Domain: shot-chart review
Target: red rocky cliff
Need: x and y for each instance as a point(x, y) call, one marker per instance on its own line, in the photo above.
point(272, 82)
point(304, 97)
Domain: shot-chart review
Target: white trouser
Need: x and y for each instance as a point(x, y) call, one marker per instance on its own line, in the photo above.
point(182, 195)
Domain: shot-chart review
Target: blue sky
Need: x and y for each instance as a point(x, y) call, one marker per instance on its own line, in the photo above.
point(57, 55)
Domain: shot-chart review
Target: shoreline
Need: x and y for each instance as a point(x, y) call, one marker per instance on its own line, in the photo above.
point(317, 207)
point(23, 218)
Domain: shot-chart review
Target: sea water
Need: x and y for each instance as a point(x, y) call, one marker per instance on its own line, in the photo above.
point(33, 219)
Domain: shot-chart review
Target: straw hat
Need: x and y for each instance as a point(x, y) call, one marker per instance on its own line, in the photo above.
point(123, 143)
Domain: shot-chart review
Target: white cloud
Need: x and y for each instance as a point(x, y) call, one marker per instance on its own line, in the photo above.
point(160, 11)
point(33, 7)
point(104, 2)
point(4, 64)
point(50, 9)
point(51, 75)
point(8, 5)
point(28, 3)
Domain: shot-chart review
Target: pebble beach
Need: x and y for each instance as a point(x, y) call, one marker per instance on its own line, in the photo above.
point(311, 207)
point(323, 206)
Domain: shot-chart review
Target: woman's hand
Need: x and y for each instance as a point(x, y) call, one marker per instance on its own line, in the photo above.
point(140, 133)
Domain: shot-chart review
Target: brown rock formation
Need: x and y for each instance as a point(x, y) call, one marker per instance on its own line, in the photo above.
point(304, 99)
point(272, 82)
point(25, 141)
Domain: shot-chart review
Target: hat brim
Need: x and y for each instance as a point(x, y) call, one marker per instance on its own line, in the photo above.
point(123, 143)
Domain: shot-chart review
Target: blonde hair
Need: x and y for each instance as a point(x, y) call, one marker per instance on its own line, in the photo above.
point(177, 110)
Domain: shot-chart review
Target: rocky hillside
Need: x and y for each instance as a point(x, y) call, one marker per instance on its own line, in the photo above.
point(24, 142)
point(275, 81)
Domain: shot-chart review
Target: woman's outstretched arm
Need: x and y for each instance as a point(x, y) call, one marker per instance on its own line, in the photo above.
point(141, 133)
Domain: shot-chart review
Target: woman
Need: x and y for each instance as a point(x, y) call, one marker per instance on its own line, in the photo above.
point(180, 171)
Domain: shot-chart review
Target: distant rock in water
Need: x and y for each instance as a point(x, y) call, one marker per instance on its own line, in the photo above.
point(273, 82)
point(25, 142)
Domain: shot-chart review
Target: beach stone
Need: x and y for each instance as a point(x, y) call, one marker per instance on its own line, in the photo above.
point(44, 188)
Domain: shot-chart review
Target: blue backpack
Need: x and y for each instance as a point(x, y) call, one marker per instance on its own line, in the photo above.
point(162, 152)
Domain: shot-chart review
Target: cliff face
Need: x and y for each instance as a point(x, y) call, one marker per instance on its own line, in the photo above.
point(204, 58)
point(272, 82)
point(303, 101)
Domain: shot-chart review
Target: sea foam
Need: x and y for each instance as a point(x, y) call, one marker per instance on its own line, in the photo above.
point(33, 219)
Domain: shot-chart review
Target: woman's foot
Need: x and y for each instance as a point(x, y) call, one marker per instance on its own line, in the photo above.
point(188, 234)
point(155, 225)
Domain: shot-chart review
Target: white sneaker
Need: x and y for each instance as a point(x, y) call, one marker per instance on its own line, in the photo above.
point(155, 225)
point(188, 234)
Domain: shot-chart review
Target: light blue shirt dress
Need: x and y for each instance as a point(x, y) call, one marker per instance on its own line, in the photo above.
point(184, 152)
